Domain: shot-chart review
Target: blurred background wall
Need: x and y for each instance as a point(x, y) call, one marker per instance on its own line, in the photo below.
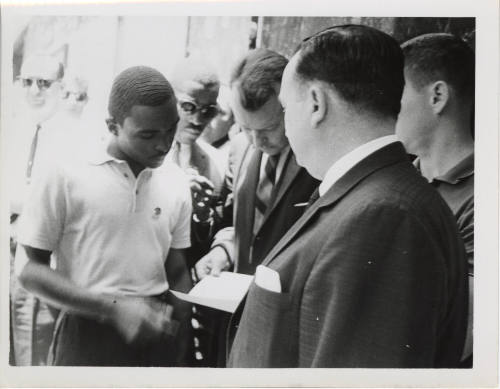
point(98, 47)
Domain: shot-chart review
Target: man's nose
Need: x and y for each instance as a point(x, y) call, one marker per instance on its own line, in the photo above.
point(34, 89)
point(197, 119)
point(164, 145)
point(259, 140)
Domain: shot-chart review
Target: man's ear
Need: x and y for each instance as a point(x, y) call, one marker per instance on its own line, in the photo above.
point(317, 101)
point(439, 96)
point(112, 126)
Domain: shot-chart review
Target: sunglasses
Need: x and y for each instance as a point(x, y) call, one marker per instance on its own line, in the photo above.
point(208, 111)
point(41, 83)
point(78, 96)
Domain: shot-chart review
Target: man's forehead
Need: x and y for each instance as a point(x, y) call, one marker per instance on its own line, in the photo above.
point(41, 68)
point(193, 89)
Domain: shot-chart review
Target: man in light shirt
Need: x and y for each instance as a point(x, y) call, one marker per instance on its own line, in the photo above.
point(374, 273)
point(35, 139)
point(117, 225)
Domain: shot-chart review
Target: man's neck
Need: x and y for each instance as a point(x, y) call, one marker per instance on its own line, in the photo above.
point(450, 145)
point(359, 134)
point(115, 152)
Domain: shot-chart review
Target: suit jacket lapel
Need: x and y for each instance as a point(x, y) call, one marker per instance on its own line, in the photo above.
point(290, 171)
point(387, 155)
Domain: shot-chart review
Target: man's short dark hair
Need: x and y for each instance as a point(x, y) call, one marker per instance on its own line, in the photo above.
point(258, 74)
point(445, 57)
point(138, 85)
point(363, 64)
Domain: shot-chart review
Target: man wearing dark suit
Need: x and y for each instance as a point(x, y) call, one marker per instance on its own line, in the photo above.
point(269, 189)
point(263, 212)
point(374, 273)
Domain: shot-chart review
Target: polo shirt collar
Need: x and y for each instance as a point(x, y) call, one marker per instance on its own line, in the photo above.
point(101, 156)
point(459, 172)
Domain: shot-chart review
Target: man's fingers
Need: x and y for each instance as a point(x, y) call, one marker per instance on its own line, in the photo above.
point(169, 310)
point(203, 267)
point(195, 187)
point(215, 272)
point(202, 181)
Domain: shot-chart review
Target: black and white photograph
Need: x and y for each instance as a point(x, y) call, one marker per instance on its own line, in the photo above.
point(249, 194)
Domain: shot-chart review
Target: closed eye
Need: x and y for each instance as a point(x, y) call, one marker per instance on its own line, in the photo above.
point(147, 134)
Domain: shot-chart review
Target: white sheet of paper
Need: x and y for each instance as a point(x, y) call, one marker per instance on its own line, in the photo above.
point(224, 292)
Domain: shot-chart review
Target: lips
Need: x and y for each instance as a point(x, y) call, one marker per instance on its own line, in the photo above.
point(195, 129)
point(159, 158)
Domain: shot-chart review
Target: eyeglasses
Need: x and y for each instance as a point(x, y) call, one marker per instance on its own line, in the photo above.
point(208, 111)
point(41, 83)
point(78, 96)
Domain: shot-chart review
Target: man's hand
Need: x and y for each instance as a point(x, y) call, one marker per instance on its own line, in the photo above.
point(212, 263)
point(139, 320)
point(202, 190)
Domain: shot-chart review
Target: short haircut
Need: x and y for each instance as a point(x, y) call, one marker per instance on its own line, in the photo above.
point(363, 64)
point(257, 74)
point(445, 57)
point(196, 69)
point(138, 85)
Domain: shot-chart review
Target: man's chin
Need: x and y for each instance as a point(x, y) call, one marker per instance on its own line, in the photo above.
point(156, 162)
point(270, 150)
point(190, 135)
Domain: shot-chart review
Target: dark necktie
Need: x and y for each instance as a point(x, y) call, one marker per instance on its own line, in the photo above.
point(31, 158)
point(265, 189)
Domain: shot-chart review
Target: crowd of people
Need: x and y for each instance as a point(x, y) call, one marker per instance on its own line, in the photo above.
point(342, 179)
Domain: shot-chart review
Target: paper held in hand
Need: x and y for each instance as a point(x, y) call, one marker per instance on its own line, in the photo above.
point(224, 292)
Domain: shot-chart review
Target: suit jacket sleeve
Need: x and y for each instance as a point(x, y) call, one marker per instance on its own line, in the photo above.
point(371, 298)
point(225, 239)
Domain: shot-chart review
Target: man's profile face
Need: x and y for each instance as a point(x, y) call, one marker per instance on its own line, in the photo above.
point(264, 127)
point(42, 87)
point(415, 117)
point(296, 116)
point(197, 106)
point(146, 134)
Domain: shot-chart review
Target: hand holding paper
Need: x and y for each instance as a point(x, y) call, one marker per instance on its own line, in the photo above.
point(224, 292)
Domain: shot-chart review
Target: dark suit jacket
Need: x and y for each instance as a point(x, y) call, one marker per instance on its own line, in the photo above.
point(372, 275)
point(294, 186)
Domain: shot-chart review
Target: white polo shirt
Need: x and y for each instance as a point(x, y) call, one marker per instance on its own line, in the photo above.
point(109, 231)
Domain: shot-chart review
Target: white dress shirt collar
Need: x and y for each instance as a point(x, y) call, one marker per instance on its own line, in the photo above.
point(344, 164)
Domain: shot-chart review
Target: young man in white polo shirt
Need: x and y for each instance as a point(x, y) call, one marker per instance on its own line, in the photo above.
point(118, 228)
